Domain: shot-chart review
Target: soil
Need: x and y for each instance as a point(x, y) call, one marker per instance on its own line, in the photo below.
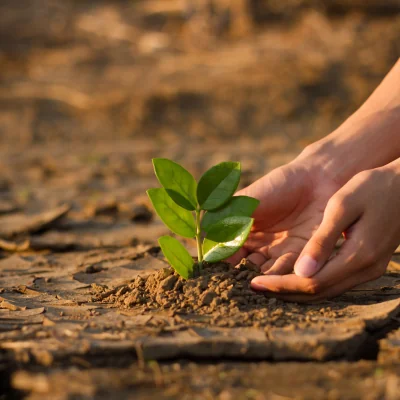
point(89, 308)
point(222, 293)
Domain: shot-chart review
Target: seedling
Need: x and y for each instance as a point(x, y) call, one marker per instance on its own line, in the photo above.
point(206, 209)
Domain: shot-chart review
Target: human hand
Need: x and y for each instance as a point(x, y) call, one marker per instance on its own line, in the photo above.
point(367, 211)
point(292, 202)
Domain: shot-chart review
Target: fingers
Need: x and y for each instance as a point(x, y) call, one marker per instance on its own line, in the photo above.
point(236, 258)
point(258, 257)
point(283, 265)
point(267, 265)
point(339, 215)
point(357, 262)
point(372, 273)
point(337, 269)
point(285, 284)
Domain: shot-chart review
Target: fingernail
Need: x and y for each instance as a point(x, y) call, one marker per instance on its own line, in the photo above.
point(257, 286)
point(306, 267)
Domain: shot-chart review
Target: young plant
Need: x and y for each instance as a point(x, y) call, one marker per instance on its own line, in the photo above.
point(206, 209)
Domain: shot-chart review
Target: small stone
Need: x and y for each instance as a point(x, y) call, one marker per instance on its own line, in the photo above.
point(178, 287)
point(122, 291)
point(203, 284)
point(207, 297)
point(131, 300)
point(168, 283)
point(165, 272)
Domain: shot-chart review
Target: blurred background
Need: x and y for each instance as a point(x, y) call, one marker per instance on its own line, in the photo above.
point(90, 90)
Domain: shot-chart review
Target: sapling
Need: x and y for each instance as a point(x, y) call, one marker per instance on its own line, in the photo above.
point(206, 211)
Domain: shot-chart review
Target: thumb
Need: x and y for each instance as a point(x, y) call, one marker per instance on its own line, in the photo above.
point(338, 216)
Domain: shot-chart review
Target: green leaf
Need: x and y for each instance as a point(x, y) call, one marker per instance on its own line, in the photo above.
point(214, 252)
point(218, 184)
point(179, 220)
point(179, 258)
point(238, 206)
point(177, 181)
point(228, 229)
point(208, 245)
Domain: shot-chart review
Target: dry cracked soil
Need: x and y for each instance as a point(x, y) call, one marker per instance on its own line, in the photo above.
point(89, 308)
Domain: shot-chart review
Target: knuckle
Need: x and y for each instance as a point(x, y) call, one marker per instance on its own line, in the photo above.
point(364, 254)
point(345, 202)
point(368, 176)
point(321, 241)
point(337, 204)
point(367, 257)
point(363, 175)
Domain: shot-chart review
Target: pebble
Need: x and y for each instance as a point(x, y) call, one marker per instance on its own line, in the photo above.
point(169, 282)
point(207, 297)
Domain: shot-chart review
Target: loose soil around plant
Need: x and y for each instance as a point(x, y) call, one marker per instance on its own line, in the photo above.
point(222, 293)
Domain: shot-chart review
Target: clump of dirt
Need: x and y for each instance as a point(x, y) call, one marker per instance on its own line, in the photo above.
point(221, 292)
point(218, 285)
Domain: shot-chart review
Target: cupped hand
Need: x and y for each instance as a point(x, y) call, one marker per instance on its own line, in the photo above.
point(367, 211)
point(292, 202)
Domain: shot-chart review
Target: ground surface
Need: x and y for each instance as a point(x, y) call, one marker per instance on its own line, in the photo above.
point(70, 320)
point(89, 93)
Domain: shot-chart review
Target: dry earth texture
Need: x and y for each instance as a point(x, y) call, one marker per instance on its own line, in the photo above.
point(90, 91)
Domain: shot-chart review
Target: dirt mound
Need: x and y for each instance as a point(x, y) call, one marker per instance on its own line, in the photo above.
point(222, 292)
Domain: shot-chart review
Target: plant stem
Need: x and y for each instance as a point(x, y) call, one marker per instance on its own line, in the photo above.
point(198, 238)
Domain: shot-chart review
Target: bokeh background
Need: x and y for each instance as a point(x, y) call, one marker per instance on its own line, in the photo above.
point(90, 90)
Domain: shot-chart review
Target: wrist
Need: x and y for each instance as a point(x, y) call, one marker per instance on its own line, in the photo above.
point(364, 141)
point(325, 157)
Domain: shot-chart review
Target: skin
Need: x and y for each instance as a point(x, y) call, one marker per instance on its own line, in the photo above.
point(347, 184)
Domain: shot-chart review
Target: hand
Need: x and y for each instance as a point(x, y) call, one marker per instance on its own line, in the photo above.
point(292, 202)
point(367, 211)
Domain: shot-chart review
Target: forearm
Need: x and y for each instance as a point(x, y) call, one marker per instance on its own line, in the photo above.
point(370, 138)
